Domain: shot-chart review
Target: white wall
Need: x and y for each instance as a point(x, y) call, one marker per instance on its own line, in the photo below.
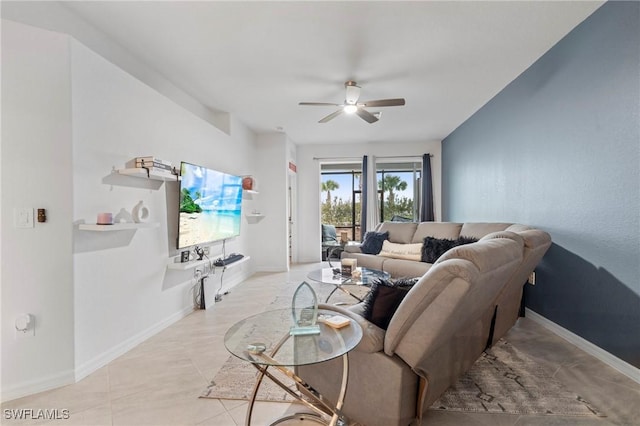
point(69, 118)
point(55, 16)
point(124, 291)
point(271, 243)
point(308, 227)
point(37, 273)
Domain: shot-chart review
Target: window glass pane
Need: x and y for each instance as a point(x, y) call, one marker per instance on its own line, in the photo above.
point(340, 198)
point(398, 184)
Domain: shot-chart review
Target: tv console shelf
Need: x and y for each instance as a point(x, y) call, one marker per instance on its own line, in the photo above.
point(183, 266)
point(116, 226)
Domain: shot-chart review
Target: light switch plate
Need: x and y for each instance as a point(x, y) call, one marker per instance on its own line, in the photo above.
point(23, 217)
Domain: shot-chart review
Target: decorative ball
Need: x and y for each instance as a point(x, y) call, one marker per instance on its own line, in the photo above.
point(247, 183)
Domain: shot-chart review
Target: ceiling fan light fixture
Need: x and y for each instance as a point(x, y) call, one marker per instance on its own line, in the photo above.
point(351, 105)
point(350, 108)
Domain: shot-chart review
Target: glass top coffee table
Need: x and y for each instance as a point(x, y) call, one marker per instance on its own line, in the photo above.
point(334, 277)
point(264, 341)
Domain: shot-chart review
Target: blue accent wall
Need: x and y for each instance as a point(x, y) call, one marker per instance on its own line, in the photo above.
point(559, 149)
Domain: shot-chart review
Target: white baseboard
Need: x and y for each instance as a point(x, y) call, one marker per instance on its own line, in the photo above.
point(35, 386)
point(106, 357)
point(611, 360)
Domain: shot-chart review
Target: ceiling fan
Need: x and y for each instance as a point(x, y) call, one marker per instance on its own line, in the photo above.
point(351, 105)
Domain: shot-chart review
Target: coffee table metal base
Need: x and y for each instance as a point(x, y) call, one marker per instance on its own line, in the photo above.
point(316, 403)
point(301, 417)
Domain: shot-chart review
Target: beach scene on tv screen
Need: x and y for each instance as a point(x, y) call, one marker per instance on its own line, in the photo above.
point(210, 205)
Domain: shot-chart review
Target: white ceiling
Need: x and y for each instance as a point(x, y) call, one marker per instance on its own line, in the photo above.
point(257, 60)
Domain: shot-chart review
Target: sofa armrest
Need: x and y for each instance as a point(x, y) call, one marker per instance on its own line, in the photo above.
point(372, 335)
point(352, 248)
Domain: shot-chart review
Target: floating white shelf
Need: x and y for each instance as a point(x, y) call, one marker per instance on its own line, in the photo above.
point(248, 194)
point(183, 266)
point(254, 218)
point(116, 226)
point(153, 174)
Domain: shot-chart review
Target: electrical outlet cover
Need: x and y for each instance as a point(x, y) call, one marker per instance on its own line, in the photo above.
point(23, 217)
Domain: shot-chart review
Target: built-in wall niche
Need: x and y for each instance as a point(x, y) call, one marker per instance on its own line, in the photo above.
point(254, 216)
point(249, 192)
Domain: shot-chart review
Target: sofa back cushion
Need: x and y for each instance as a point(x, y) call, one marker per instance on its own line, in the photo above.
point(480, 229)
point(399, 232)
point(486, 255)
point(440, 230)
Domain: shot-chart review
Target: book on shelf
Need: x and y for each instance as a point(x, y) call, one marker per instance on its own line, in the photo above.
point(154, 165)
point(152, 158)
point(149, 164)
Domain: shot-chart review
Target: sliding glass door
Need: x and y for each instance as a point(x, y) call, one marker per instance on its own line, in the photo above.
point(341, 193)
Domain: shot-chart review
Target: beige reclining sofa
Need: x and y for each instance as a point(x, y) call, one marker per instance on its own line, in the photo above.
point(462, 303)
point(536, 243)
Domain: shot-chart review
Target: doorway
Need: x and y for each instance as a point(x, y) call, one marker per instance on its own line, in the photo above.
point(340, 200)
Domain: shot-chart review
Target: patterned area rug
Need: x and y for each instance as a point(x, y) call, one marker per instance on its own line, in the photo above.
point(503, 380)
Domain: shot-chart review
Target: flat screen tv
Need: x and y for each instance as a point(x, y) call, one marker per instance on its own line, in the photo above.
point(210, 205)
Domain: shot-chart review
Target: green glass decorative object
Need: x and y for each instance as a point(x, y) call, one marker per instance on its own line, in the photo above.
point(304, 311)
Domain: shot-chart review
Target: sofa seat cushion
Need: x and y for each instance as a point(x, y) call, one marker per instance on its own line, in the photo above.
point(372, 336)
point(370, 261)
point(372, 243)
point(401, 251)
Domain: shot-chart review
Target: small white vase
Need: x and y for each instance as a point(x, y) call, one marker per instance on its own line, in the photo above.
point(140, 213)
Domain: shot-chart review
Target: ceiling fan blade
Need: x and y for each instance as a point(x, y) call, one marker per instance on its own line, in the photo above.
point(331, 116)
point(384, 102)
point(366, 116)
point(318, 104)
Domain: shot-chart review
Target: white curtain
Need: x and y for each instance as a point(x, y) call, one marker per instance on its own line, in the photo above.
point(373, 205)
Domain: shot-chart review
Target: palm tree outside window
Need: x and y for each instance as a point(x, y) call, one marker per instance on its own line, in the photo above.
point(399, 190)
point(340, 203)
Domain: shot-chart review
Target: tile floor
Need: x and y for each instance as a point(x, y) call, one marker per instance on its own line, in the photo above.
point(159, 381)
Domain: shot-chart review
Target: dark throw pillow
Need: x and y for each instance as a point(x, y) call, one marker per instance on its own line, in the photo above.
point(465, 240)
point(372, 243)
point(433, 248)
point(384, 298)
